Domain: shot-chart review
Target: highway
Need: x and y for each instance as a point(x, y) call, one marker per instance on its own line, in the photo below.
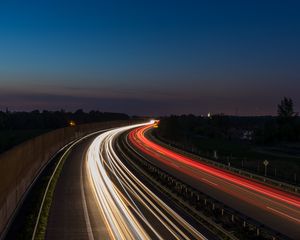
point(98, 197)
point(274, 208)
point(130, 209)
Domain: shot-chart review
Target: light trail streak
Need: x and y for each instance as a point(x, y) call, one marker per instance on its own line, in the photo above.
point(123, 199)
point(210, 182)
point(235, 184)
point(284, 214)
point(138, 138)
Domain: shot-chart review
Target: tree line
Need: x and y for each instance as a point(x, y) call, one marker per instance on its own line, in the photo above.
point(285, 127)
point(53, 119)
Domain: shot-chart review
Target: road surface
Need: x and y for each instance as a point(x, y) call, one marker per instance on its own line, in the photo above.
point(73, 213)
point(274, 208)
point(98, 197)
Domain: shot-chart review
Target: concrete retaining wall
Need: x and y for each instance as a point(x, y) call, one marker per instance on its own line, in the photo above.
point(20, 165)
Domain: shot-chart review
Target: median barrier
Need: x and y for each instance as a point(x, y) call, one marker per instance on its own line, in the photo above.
point(228, 222)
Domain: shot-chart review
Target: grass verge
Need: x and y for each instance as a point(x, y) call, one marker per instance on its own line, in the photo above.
point(42, 224)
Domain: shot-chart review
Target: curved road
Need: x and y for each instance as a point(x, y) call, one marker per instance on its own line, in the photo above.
point(73, 213)
point(274, 208)
point(98, 197)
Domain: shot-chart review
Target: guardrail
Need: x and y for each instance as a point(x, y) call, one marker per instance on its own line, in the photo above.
point(225, 220)
point(269, 181)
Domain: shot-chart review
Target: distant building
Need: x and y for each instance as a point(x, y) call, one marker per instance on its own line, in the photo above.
point(247, 135)
point(241, 134)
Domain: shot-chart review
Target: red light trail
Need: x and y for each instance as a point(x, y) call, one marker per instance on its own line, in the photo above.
point(273, 200)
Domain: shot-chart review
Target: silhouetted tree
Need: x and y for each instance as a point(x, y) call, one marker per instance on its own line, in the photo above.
point(16, 127)
point(51, 120)
point(288, 124)
point(286, 108)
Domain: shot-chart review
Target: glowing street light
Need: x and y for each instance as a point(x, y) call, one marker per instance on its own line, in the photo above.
point(72, 123)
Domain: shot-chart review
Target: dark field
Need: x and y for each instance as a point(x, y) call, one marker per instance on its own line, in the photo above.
point(220, 138)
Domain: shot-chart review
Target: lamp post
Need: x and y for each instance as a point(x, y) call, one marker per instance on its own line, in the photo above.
point(266, 162)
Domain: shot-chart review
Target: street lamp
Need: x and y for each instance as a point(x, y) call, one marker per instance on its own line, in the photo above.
point(72, 123)
point(266, 162)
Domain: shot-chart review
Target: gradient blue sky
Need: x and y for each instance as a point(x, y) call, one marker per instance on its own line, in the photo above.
point(150, 57)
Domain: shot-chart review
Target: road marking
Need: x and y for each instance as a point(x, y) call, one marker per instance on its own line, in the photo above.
point(85, 210)
point(251, 192)
point(206, 180)
point(284, 214)
point(242, 188)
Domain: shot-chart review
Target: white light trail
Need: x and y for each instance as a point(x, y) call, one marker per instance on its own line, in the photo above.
point(118, 200)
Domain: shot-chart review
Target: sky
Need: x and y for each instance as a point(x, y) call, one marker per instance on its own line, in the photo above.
point(150, 57)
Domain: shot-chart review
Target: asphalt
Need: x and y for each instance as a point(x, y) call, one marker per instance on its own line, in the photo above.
point(74, 213)
point(133, 210)
point(130, 158)
point(68, 218)
point(279, 216)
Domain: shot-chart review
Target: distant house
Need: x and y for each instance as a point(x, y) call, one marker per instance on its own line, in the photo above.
point(241, 134)
point(247, 135)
